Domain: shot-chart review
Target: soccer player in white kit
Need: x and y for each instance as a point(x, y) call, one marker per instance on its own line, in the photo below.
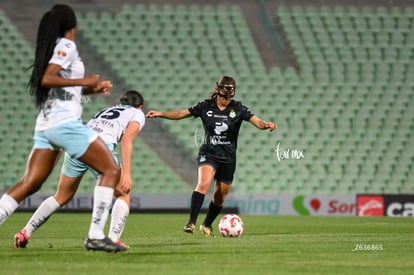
point(57, 83)
point(118, 124)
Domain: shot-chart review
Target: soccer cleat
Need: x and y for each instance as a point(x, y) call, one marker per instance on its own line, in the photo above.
point(121, 244)
point(189, 228)
point(21, 239)
point(206, 230)
point(105, 244)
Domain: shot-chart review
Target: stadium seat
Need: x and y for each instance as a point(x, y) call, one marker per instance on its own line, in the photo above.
point(346, 104)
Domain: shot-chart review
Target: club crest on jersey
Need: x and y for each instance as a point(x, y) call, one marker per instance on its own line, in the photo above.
point(232, 114)
point(61, 53)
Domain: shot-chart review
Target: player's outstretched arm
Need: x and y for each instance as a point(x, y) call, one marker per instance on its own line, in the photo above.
point(262, 124)
point(173, 115)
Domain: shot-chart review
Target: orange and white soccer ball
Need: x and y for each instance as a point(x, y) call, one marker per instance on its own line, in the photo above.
point(231, 226)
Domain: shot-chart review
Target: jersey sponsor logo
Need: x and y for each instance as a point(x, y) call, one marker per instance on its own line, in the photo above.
point(217, 140)
point(210, 113)
point(220, 127)
point(220, 139)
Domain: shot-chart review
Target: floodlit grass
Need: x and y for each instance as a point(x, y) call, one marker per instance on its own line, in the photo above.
point(269, 245)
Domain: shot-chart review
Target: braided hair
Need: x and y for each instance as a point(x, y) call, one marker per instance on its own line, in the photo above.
point(53, 25)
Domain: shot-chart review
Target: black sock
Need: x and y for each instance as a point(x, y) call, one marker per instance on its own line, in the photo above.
point(213, 211)
point(197, 200)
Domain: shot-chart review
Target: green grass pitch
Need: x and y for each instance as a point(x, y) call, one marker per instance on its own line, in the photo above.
point(269, 245)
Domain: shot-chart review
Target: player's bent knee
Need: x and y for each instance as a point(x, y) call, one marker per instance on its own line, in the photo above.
point(113, 173)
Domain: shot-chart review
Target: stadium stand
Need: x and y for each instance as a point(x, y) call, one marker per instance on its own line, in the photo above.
point(346, 107)
point(376, 60)
point(19, 113)
point(16, 110)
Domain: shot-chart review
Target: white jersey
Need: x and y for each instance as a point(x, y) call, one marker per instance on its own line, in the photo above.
point(63, 104)
point(111, 122)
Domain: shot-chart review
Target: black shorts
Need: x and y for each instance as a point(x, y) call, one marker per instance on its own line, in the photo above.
point(224, 171)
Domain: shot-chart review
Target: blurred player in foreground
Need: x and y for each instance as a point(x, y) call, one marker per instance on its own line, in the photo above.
point(221, 117)
point(119, 124)
point(57, 83)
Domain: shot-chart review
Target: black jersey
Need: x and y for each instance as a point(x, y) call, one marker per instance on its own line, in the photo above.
point(221, 128)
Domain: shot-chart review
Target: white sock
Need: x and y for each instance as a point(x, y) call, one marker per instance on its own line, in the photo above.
point(119, 215)
point(102, 200)
point(42, 214)
point(7, 206)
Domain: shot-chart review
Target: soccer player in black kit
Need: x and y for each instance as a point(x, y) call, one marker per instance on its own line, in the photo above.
point(221, 117)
